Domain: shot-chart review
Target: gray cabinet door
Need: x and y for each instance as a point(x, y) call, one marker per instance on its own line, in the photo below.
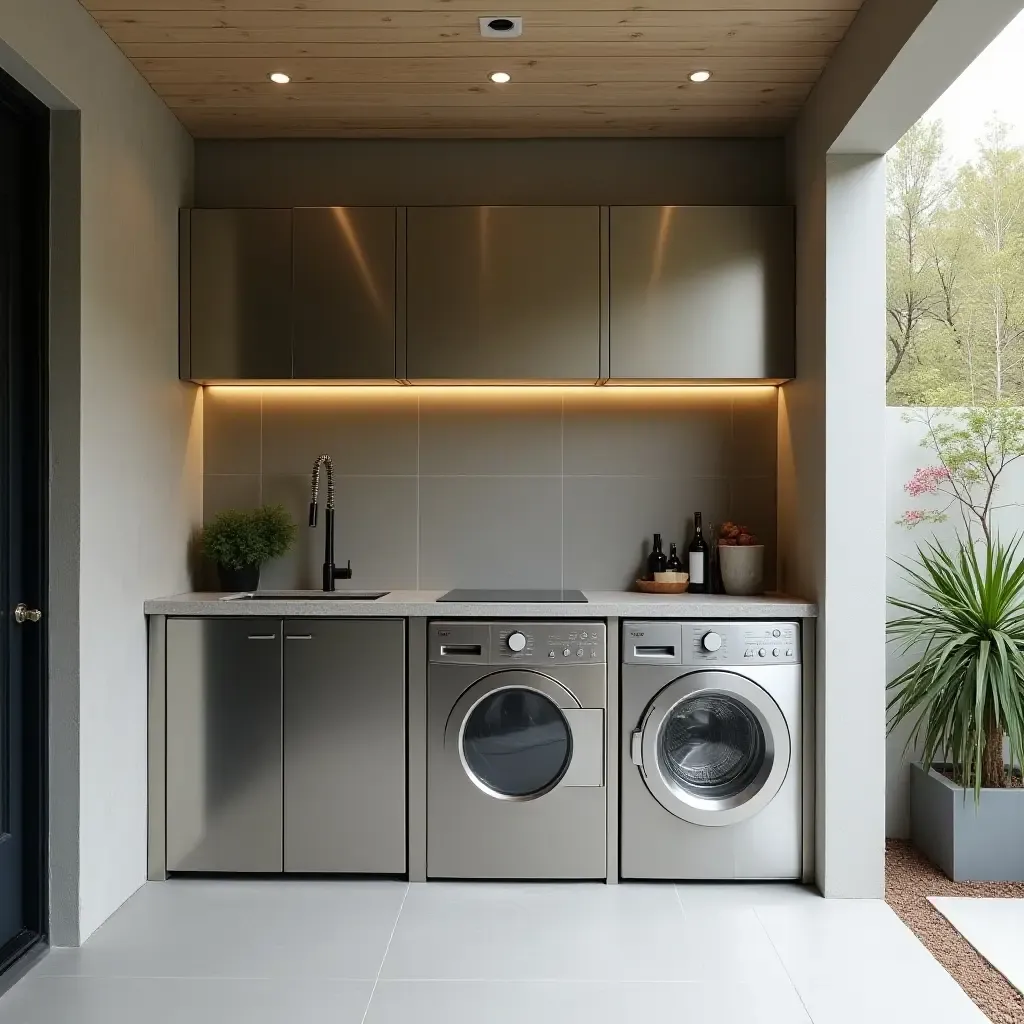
point(239, 295)
point(344, 746)
point(344, 292)
point(224, 788)
point(509, 293)
point(701, 292)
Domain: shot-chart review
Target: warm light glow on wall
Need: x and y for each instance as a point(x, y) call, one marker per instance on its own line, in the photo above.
point(497, 390)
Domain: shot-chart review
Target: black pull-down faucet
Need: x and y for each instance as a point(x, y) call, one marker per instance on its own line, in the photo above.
point(331, 572)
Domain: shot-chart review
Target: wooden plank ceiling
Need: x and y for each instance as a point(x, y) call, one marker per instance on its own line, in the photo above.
point(420, 68)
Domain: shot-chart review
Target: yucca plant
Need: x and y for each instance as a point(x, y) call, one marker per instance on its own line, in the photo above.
point(965, 691)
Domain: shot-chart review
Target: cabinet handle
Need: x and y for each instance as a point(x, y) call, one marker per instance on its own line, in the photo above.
point(262, 636)
point(299, 636)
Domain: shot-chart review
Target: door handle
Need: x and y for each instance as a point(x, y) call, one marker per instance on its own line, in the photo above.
point(299, 636)
point(22, 614)
point(262, 636)
point(636, 747)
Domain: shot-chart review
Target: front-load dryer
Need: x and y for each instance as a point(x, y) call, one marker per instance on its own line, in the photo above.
point(516, 750)
point(711, 750)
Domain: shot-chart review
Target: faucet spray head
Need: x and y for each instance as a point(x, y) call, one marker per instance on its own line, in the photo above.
point(313, 508)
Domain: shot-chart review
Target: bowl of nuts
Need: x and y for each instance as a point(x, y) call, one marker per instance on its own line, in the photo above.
point(741, 560)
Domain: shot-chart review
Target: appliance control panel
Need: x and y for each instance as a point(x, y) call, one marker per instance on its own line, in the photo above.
point(735, 643)
point(531, 643)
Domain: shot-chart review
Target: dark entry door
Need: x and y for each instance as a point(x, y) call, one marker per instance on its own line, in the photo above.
point(24, 188)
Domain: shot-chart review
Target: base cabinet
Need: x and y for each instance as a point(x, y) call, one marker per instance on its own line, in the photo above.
point(344, 746)
point(224, 782)
point(286, 745)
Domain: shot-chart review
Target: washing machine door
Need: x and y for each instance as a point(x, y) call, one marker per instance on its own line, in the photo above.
point(713, 747)
point(513, 734)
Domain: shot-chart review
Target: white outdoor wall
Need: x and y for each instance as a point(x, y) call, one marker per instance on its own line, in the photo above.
point(129, 487)
point(904, 454)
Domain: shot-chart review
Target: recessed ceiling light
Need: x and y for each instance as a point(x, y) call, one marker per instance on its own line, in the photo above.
point(501, 77)
point(280, 78)
point(700, 76)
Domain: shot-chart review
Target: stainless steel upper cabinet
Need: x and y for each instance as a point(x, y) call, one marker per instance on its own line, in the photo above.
point(344, 288)
point(701, 292)
point(509, 293)
point(236, 290)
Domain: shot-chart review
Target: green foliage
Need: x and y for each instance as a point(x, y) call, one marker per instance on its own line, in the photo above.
point(966, 688)
point(239, 538)
point(974, 447)
point(955, 273)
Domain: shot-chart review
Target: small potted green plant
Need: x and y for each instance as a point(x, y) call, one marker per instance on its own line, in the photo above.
point(239, 541)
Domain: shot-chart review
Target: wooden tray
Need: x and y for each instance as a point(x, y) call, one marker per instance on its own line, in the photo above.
point(650, 587)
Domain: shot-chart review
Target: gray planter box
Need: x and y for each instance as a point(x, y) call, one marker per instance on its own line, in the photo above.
point(983, 843)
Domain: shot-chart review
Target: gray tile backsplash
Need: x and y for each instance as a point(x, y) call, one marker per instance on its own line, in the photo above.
point(439, 488)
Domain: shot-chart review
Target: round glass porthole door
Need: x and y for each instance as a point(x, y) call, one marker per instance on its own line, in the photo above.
point(712, 746)
point(516, 743)
point(714, 754)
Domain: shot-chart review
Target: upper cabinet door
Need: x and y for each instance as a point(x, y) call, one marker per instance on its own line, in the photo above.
point(509, 293)
point(237, 287)
point(344, 293)
point(701, 292)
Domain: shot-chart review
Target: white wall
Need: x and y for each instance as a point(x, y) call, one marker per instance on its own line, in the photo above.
point(903, 455)
point(134, 468)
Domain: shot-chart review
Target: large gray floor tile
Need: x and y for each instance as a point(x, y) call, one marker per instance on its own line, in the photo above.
point(853, 961)
point(43, 1000)
point(581, 932)
point(241, 929)
point(595, 1002)
point(745, 894)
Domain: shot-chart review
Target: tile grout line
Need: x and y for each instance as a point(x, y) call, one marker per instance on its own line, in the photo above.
point(387, 948)
point(561, 479)
point(782, 963)
point(419, 417)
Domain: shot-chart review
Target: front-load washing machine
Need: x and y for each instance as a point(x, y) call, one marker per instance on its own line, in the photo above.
point(711, 750)
point(516, 750)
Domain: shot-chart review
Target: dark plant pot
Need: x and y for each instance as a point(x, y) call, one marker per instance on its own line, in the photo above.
point(983, 843)
point(246, 578)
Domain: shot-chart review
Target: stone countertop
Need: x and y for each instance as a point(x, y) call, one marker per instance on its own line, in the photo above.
point(423, 603)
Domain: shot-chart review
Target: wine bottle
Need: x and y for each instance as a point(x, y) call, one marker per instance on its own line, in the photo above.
point(674, 565)
point(656, 560)
point(698, 558)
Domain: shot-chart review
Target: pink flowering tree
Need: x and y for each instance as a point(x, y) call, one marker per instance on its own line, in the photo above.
point(973, 447)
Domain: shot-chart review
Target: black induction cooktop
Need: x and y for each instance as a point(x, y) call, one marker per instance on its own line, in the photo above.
point(523, 596)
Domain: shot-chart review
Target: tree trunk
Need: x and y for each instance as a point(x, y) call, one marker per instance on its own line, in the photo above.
point(993, 769)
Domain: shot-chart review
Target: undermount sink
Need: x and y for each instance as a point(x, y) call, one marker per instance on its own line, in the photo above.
point(308, 595)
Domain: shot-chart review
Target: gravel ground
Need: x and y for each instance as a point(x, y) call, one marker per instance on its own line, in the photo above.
point(909, 881)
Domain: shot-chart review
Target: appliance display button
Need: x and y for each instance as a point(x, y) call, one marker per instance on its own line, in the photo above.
point(776, 632)
point(789, 654)
point(551, 654)
point(761, 653)
point(583, 636)
point(579, 653)
point(566, 653)
point(775, 653)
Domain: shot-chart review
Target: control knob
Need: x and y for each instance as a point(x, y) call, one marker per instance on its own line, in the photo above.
point(516, 642)
point(711, 641)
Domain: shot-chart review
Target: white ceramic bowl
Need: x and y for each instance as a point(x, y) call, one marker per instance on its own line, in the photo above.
point(742, 569)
